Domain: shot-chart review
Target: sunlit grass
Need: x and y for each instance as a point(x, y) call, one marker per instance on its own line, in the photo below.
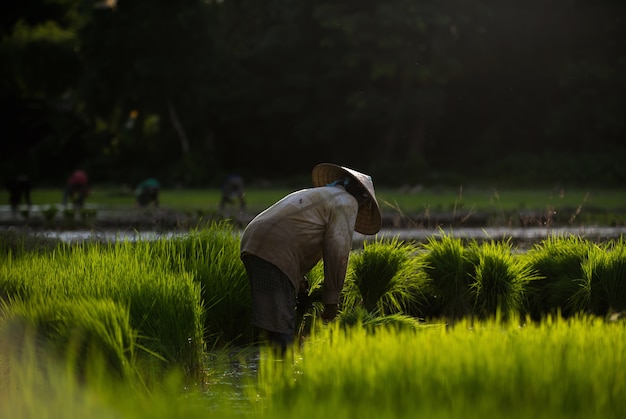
point(165, 307)
point(556, 369)
point(39, 384)
point(211, 255)
point(76, 331)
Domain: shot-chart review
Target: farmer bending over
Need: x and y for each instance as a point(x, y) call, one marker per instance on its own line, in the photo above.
point(284, 242)
point(19, 188)
point(232, 191)
point(76, 189)
point(147, 192)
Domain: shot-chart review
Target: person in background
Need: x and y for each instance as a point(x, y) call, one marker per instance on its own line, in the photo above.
point(76, 189)
point(233, 191)
point(284, 242)
point(147, 192)
point(19, 190)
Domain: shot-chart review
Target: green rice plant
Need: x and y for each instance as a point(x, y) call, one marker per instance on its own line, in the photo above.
point(500, 279)
point(211, 255)
point(360, 317)
point(603, 285)
point(76, 332)
point(165, 308)
point(36, 384)
point(307, 311)
point(558, 261)
point(384, 285)
point(447, 266)
point(553, 369)
point(385, 278)
point(550, 369)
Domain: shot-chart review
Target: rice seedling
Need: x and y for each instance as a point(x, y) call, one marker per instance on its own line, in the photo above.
point(165, 308)
point(74, 332)
point(558, 261)
point(211, 255)
point(94, 330)
point(385, 278)
point(37, 384)
point(369, 321)
point(499, 279)
point(603, 284)
point(552, 369)
point(384, 285)
point(447, 265)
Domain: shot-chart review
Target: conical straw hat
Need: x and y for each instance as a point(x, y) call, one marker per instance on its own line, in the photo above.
point(368, 219)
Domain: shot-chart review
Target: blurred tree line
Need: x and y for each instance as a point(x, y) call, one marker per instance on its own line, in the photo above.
point(410, 91)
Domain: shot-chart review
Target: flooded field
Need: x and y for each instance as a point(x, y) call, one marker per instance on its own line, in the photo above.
point(521, 237)
point(128, 224)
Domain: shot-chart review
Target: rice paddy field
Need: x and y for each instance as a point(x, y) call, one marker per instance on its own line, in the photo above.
point(409, 199)
point(443, 329)
point(475, 205)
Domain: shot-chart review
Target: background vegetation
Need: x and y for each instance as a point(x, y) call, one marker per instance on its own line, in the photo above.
point(412, 92)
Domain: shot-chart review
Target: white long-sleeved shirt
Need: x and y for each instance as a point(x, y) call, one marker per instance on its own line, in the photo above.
point(303, 228)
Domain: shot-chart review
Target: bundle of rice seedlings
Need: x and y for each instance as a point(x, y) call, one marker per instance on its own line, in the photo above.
point(603, 285)
point(387, 276)
point(360, 317)
point(558, 261)
point(499, 279)
point(446, 264)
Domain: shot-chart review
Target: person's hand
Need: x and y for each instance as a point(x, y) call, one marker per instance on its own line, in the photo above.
point(330, 312)
point(303, 302)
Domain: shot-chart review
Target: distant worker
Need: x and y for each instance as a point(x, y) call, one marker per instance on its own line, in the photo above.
point(76, 189)
point(19, 188)
point(232, 191)
point(147, 192)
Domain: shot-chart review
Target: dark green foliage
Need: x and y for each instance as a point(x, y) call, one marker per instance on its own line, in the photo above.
point(439, 87)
